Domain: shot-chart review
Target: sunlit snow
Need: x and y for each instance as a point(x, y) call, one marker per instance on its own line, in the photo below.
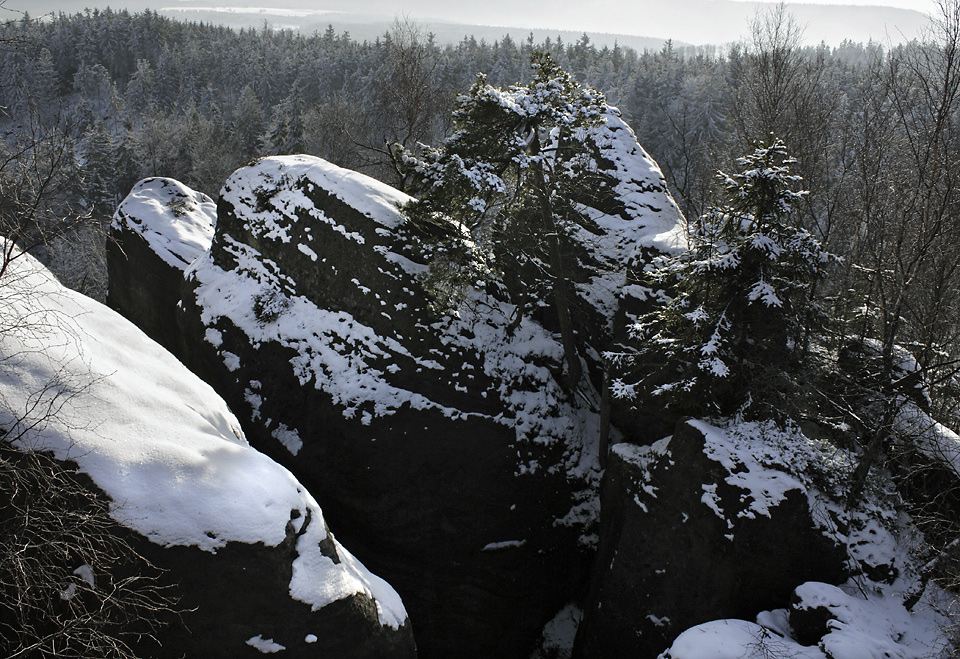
point(155, 438)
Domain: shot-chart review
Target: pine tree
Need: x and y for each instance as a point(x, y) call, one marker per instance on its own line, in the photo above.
point(284, 134)
point(100, 161)
point(139, 93)
point(247, 122)
point(511, 176)
point(737, 307)
point(42, 87)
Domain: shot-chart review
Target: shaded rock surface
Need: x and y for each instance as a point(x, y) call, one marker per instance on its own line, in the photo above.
point(316, 326)
point(684, 541)
point(242, 540)
point(242, 592)
point(441, 446)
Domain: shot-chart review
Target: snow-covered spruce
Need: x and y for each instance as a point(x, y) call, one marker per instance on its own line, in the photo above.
point(737, 313)
point(542, 192)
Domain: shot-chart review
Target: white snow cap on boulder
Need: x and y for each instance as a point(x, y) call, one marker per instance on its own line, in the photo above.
point(148, 209)
point(376, 200)
point(159, 441)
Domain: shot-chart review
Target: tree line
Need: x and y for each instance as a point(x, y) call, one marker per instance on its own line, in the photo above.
point(161, 97)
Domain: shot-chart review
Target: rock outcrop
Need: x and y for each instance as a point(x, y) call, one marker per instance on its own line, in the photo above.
point(159, 229)
point(824, 622)
point(694, 529)
point(440, 444)
point(243, 542)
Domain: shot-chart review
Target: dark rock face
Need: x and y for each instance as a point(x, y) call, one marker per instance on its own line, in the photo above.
point(808, 623)
point(679, 546)
point(431, 449)
point(243, 592)
point(440, 447)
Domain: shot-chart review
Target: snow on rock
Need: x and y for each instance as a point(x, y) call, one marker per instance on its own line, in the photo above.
point(449, 432)
point(723, 520)
point(157, 231)
point(158, 441)
point(701, 525)
point(272, 178)
point(176, 222)
point(652, 217)
point(867, 624)
point(264, 645)
point(640, 216)
point(350, 343)
point(853, 624)
point(735, 639)
point(934, 439)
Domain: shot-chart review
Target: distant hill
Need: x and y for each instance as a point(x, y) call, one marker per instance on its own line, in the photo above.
point(644, 24)
point(368, 28)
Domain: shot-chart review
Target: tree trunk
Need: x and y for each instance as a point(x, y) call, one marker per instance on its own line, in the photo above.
point(562, 294)
point(870, 454)
point(605, 416)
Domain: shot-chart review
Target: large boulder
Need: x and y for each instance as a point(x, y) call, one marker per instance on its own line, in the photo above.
point(698, 527)
point(159, 229)
point(443, 445)
point(439, 442)
point(244, 543)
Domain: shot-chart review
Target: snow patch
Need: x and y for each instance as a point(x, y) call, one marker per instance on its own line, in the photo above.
point(289, 437)
point(505, 544)
point(766, 487)
point(309, 252)
point(264, 645)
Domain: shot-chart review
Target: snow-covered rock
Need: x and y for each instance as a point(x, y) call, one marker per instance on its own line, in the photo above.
point(633, 220)
point(741, 521)
point(443, 446)
point(157, 231)
point(246, 542)
point(853, 624)
point(696, 527)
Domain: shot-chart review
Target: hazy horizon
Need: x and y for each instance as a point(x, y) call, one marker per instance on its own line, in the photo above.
point(687, 21)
